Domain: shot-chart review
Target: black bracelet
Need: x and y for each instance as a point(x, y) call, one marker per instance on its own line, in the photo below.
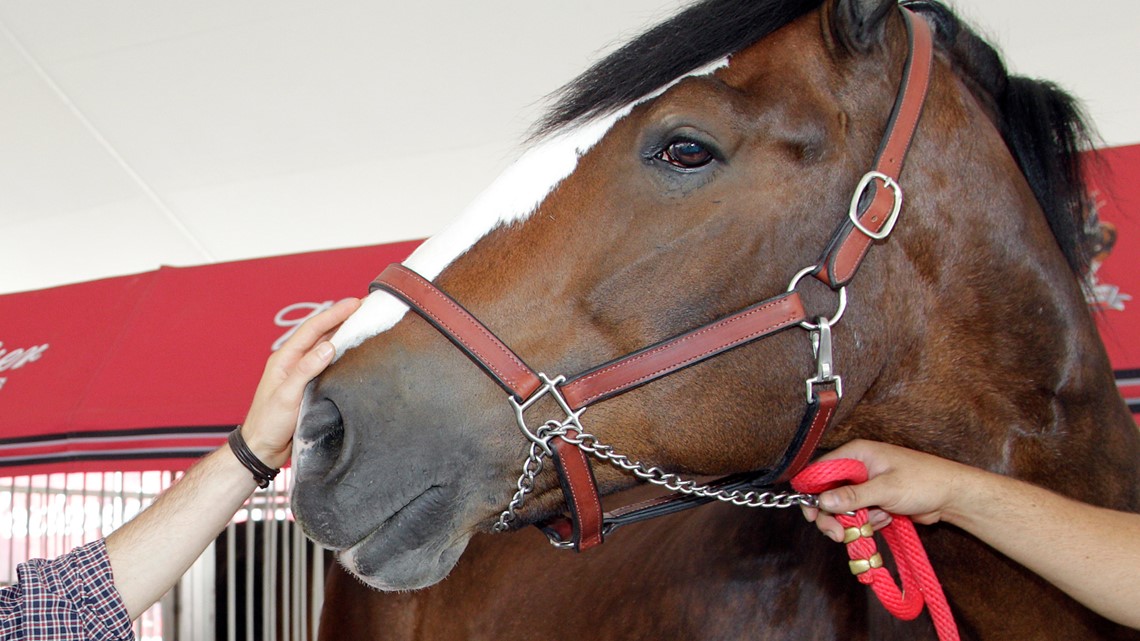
point(262, 473)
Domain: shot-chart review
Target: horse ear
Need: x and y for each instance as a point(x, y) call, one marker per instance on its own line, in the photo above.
point(858, 25)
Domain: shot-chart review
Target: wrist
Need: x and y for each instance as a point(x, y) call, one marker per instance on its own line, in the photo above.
point(263, 473)
point(968, 488)
point(269, 452)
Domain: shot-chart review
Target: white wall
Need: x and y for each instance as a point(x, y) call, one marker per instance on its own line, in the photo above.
point(136, 133)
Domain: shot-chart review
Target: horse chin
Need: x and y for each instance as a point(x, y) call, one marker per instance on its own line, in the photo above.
point(414, 546)
point(377, 565)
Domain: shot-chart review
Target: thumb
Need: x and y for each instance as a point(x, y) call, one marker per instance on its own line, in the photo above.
point(845, 499)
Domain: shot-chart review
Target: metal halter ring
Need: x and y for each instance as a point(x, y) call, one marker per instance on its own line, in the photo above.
point(549, 387)
point(896, 191)
point(842, 298)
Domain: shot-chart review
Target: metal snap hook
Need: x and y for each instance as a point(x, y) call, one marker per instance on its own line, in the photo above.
point(824, 369)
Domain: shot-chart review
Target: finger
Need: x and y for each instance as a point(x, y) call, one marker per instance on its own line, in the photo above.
point(311, 364)
point(830, 527)
point(847, 498)
point(879, 519)
point(313, 329)
point(320, 326)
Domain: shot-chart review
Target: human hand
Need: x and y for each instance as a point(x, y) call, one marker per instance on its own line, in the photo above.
point(272, 418)
point(900, 481)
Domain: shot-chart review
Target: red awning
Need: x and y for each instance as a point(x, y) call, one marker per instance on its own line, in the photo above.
point(151, 371)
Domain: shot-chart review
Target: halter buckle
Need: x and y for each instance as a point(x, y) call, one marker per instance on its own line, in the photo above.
point(896, 207)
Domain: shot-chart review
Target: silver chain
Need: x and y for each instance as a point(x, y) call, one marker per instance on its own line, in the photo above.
point(540, 438)
point(532, 467)
point(589, 443)
point(751, 498)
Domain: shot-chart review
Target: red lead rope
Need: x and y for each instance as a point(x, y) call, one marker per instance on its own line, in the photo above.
point(919, 584)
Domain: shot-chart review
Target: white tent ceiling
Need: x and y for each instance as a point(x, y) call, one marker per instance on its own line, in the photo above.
point(136, 133)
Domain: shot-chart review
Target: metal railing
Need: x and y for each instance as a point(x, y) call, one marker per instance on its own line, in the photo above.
point(261, 580)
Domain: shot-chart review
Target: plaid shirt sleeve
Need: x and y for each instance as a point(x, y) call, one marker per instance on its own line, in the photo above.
point(72, 598)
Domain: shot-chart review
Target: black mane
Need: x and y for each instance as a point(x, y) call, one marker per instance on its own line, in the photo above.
point(703, 33)
point(1043, 126)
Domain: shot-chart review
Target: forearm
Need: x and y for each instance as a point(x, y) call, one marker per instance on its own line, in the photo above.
point(157, 547)
point(1091, 553)
point(151, 552)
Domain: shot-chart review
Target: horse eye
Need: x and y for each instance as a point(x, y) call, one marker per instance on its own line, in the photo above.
point(686, 154)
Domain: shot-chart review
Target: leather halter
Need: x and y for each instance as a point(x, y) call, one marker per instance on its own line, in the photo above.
point(871, 217)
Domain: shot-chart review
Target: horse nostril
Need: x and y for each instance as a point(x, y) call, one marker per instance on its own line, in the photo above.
point(320, 436)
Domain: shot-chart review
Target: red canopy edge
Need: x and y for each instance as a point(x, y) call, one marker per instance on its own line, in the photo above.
point(150, 371)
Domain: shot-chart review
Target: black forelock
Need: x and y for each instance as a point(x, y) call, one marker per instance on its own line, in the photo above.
point(698, 35)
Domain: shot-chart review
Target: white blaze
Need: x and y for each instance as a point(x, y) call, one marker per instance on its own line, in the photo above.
point(514, 196)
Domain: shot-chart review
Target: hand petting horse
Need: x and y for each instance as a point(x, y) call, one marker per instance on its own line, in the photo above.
point(763, 228)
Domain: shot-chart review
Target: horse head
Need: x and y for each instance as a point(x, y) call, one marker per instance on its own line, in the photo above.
point(691, 174)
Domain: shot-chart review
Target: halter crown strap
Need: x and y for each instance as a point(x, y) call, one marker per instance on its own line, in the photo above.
point(851, 241)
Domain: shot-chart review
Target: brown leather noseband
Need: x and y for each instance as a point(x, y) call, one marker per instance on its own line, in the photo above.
point(871, 218)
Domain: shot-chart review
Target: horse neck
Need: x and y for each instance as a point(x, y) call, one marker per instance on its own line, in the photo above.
point(1000, 363)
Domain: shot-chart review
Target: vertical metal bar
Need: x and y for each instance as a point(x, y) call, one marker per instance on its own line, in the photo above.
point(51, 517)
point(299, 583)
point(250, 535)
point(12, 538)
point(28, 520)
point(83, 509)
point(231, 581)
point(267, 582)
point(205, 612)
point(120, 508)
point(169, 630)
point(47, 498)
point(45, 510)
point(65, 518)
point(318, 590)
point(180, 598)
point(284, 591)
point(102, 505)
point(270, 592)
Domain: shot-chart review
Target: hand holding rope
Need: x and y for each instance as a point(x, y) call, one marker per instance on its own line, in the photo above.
point(920, 586)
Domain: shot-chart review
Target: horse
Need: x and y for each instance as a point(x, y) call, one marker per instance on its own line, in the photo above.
point(726, 165)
